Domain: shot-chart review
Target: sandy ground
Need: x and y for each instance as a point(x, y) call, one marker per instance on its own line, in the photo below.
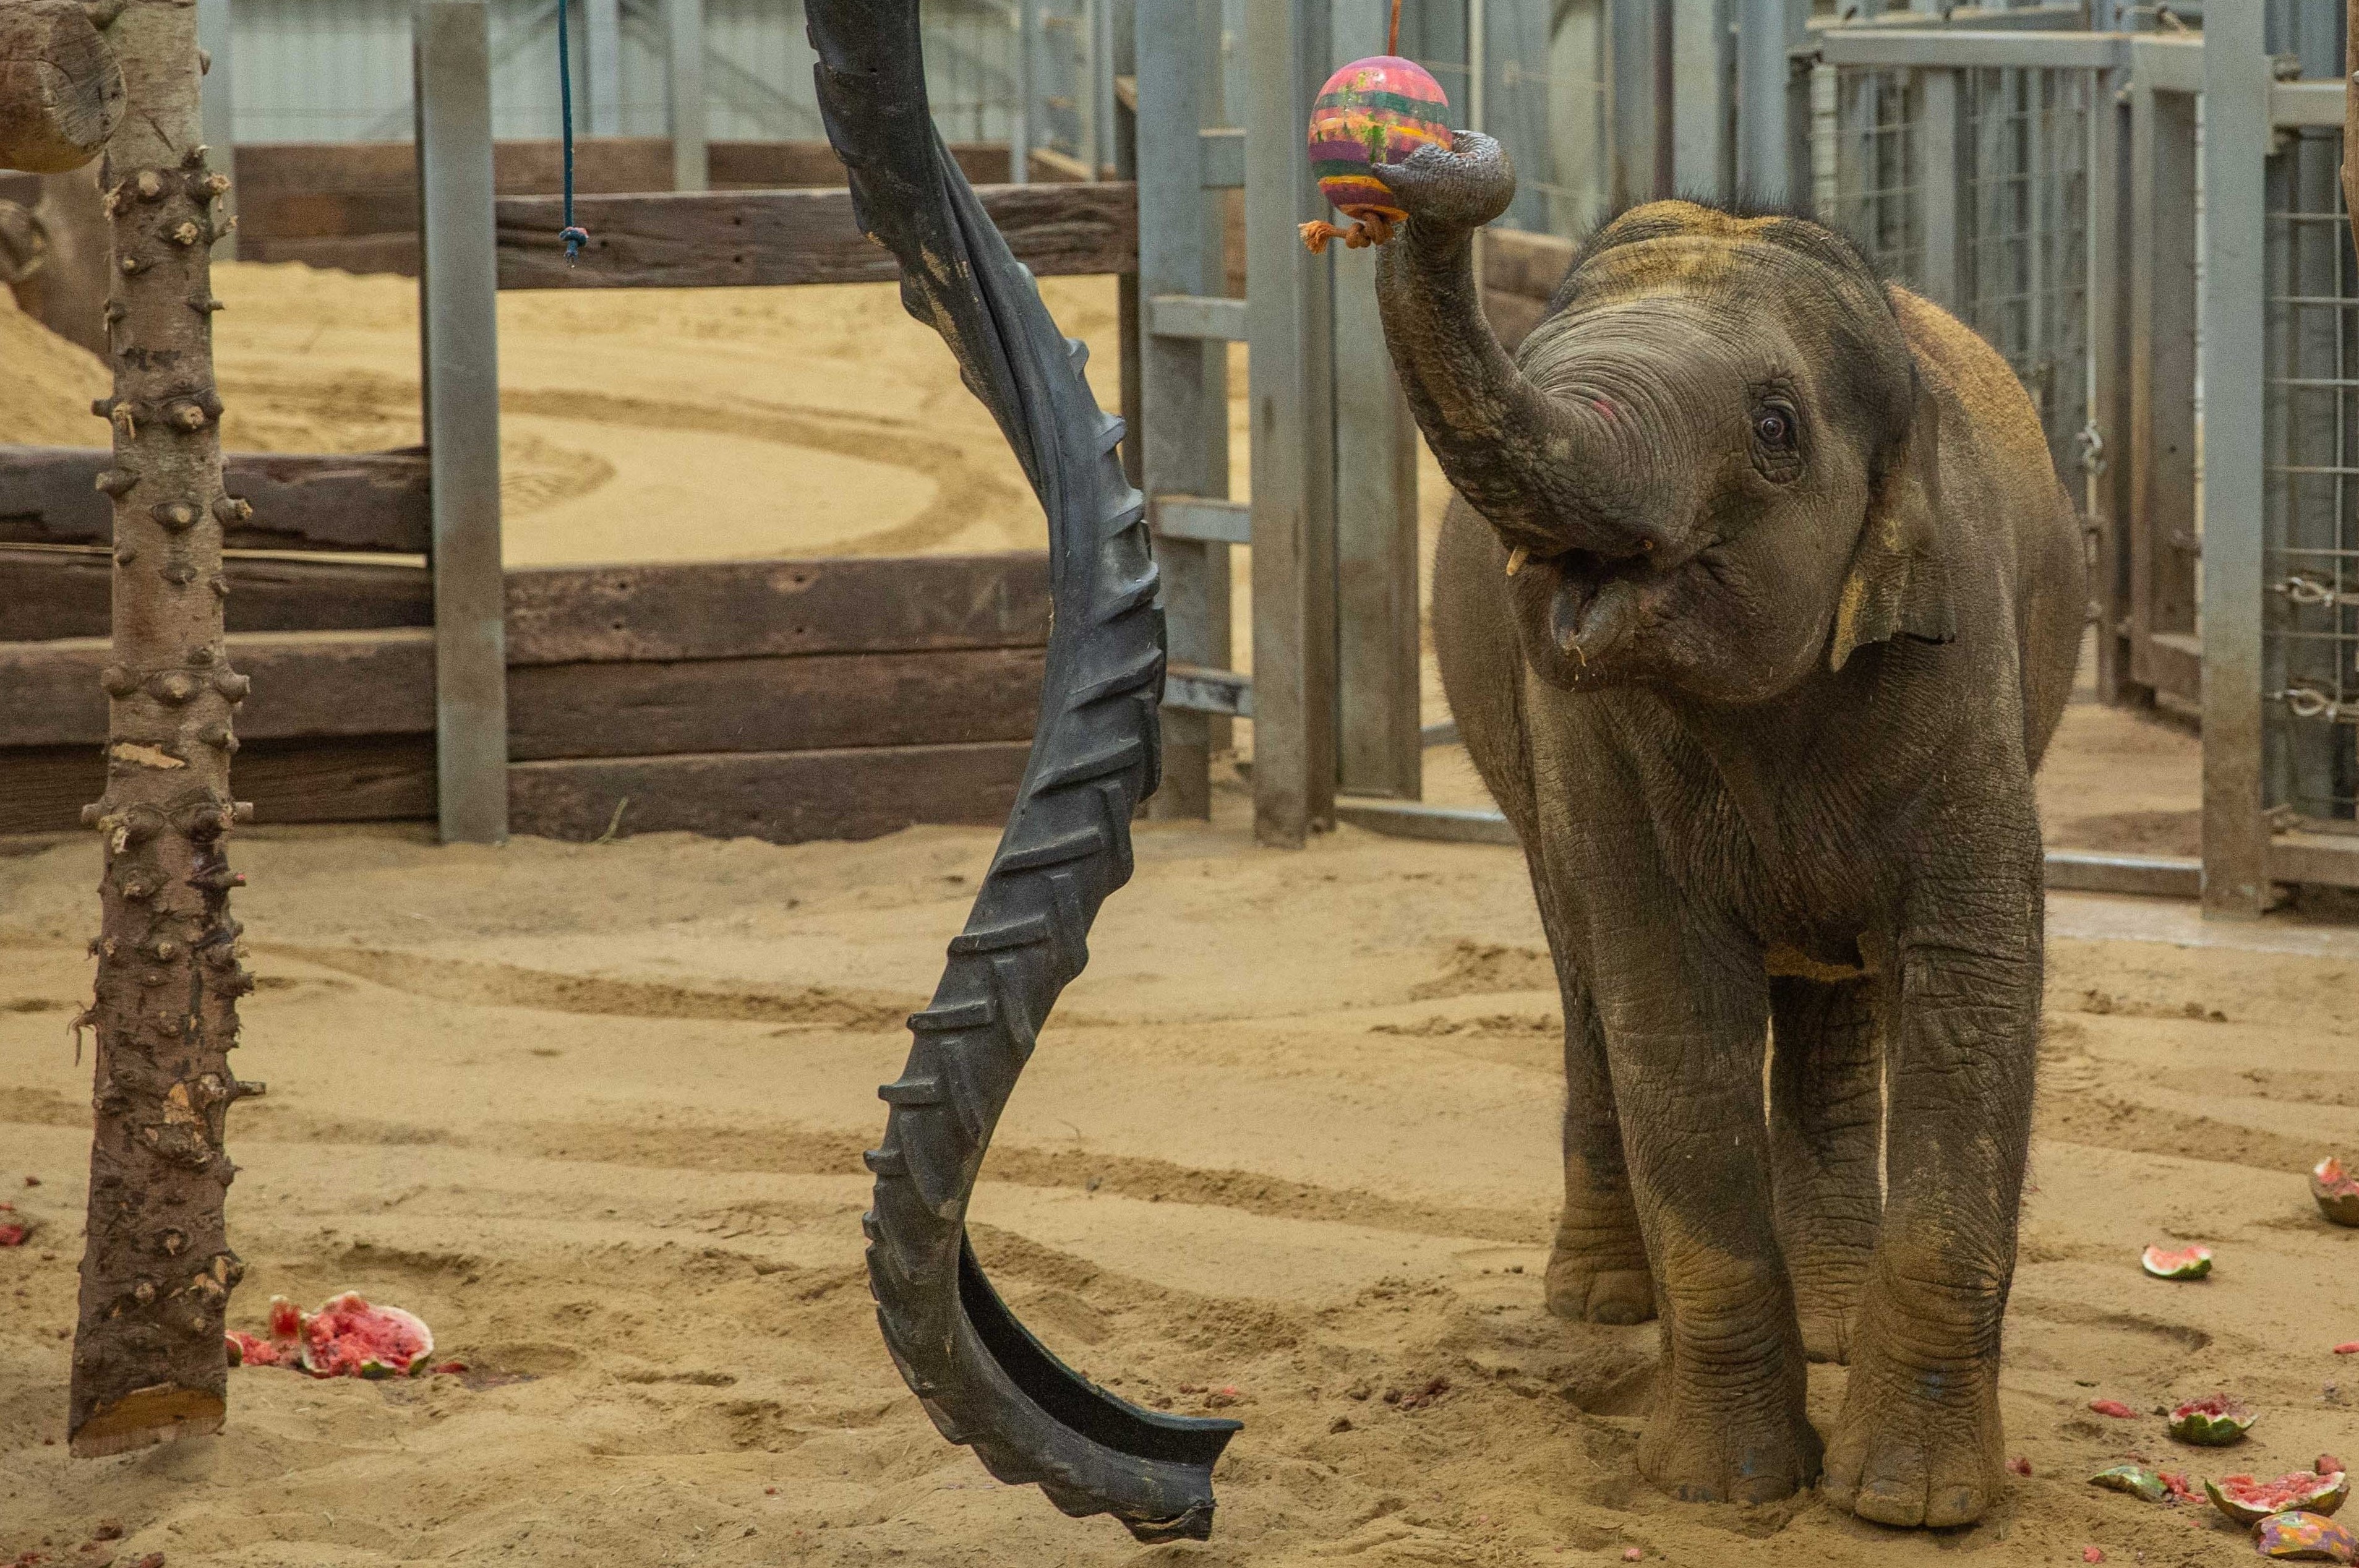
point(596, 1111)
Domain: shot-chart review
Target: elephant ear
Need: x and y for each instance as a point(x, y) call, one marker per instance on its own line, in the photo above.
point(1898, 585)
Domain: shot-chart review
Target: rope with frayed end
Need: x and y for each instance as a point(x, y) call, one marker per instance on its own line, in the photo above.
point(572, 233)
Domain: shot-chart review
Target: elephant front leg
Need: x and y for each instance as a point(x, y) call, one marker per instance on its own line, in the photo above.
point(1826, 1122)
point(1729, 1422)
point(1920, 1440)
point(1597, 1272)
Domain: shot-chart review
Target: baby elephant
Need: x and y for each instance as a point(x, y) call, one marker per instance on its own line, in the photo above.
point(1758, 607)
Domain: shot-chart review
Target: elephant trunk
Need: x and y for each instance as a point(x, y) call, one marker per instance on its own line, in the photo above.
point(1551, 470)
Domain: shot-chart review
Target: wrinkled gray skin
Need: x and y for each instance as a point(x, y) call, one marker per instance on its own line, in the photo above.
point(1800, 613)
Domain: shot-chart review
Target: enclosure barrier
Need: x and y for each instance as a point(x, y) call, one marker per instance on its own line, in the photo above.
point(785, 700)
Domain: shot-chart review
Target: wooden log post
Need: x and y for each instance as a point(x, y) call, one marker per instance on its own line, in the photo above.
point(60, 87)
point(156, 1267)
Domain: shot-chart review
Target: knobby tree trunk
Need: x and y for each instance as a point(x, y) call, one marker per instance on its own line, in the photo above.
point(156, 1267)
point(60, 91)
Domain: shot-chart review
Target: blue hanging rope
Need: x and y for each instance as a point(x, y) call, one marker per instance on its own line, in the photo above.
point(574, 237)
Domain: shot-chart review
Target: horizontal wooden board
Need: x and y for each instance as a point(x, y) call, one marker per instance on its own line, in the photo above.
point(578, 614)
point(356, 501)
point(1533, 265)
point(808, 703)
point(305, 684)
point(734, 239)
point(385, 779)
point(783, 797)
point(48, 593)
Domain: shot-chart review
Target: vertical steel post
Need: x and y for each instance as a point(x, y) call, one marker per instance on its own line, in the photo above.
point(1290, 323)
point(605, 67)
point(1700, 73)
point(218, 114)
point(1630, 91)
point(2105, 446)
point(1943, 161)
point(458, 333)
point(2235, 150)
point(1766, 31)
point(690, 169)
point(1183, 381)
point(1024, 133)
point(1380, 747)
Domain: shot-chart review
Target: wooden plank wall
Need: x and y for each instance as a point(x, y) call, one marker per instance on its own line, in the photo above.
point(354, 205)
point(780, 700)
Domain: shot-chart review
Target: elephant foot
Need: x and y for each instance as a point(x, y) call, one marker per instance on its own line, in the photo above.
point(1605, 1296)
point(1918, 1444)
point(1711, 1450)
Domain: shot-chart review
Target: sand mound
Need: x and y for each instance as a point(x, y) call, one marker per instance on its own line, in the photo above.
point(45, 397)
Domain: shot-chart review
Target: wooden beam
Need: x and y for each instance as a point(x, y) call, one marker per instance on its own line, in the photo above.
point(783, 797)
point(573, 614)
point(737, 239)
point(809, 703)
point(306, 685)
point(51, 594)
point(374, 779)
point(372, 501)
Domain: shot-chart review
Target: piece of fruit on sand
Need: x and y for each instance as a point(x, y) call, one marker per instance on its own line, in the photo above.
point(2336, 1188)
point(2304, 1538)
point(348, 1337)
point(2212, 1422)
point(2249, 1501)
point(2184, 1263)
point(2137, 1480)
point(280, 1349)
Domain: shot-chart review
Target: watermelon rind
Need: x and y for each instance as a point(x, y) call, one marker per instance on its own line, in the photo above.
point(2134, 1479)
point(352, 1300)
point(2336, 1190)
point(2211, 1429)
point(2323, 1496)
point(2189, 1263)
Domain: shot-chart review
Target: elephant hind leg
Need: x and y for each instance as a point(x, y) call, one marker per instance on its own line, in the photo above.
point(1826, 1125)
point(1597, 1271)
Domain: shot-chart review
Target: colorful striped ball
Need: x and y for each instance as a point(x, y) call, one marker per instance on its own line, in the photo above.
point(1373, 112)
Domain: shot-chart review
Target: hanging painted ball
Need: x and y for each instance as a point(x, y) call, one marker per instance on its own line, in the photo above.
point(1373, 112)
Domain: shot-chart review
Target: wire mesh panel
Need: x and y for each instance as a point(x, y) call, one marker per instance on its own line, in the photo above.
point(1986, 214)
point(1875, 131)
point(2023, 268)
point(2310, 627)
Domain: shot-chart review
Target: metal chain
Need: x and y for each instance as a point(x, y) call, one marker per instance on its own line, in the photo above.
point(2092, 450)
point(2302, 590)
point(2310, 703)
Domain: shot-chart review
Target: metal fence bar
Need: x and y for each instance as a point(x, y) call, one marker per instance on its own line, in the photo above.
point(2236, 150)
point(1292, 398)
point(605, 64)
point(2162, 543)
point(1379, 747)
point(690, 169)
point(2103, 440)
point(1183, 381)
point(1701, 56)
point(458, 324)
point(1630, 78)
point(1941, 159)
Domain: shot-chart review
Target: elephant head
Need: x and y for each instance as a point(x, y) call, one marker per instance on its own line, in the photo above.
point(1711, 467)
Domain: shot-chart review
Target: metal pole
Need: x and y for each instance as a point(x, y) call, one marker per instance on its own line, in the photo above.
point(1940, 148)
point(1380, 748)
point(458, 332)
point(689, 169)
point(1478, 65)
point(1023, 133)
point(1183, 381)
point(1290, 325)
point(1630, 78)
point(1700, 60)
point(2235, 151)
point(1764, 105)
point(605, 68)
point(218, 119)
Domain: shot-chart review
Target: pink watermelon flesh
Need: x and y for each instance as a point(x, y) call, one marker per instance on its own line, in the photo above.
point(2186, 1263)
point(2213, 1422)
point(2336, 1190)
point(245, 1350)
point(350, 1338)
point(2249, 1501)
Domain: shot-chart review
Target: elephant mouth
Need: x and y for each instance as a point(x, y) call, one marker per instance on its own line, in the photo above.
point(1587, 605)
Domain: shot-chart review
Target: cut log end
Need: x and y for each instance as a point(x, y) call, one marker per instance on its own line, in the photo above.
point(61, 91)
point(145, 1417)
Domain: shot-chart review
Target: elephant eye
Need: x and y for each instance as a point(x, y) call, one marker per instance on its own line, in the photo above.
point(1774, 428)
